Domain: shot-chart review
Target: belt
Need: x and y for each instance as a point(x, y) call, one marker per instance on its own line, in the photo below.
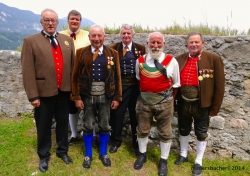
point(129, 79)
point(189, 99)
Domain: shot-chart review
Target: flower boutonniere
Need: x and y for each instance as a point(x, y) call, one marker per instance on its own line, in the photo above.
point(110, 62)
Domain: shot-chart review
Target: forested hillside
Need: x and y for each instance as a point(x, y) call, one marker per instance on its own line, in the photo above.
point(11, 40)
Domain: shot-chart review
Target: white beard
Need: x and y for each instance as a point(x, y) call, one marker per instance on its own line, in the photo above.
point(155, 55)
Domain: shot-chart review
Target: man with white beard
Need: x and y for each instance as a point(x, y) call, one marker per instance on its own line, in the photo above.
point(159, 80)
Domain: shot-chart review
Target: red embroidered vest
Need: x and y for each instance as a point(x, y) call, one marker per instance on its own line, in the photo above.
point(151, 79)
point(58, 64)
point(189, 74)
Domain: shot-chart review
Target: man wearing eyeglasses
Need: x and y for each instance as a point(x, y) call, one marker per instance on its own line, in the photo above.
point(47, 61)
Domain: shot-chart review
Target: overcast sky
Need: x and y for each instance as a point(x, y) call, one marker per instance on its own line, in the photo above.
point(151, 13)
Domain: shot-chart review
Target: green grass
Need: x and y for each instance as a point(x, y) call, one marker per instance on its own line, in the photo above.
point(177, 29)
point(18, 157)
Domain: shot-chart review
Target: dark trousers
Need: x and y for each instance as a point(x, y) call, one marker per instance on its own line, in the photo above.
point(96, 110)
point(129, 98)
point(189, 112)
point(56, 106)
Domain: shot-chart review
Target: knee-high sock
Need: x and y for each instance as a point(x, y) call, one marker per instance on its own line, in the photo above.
point(200, 149)
point(165, 148)
point(104, 139)
point(184, 145)
point(142, 142)
point(73, 120)
point(88, 140)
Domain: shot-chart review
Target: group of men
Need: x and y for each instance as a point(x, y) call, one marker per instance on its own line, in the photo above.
point(73, 70)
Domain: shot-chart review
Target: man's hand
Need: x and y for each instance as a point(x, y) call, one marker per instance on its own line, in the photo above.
point(114, 104)
point(212, 114)
point(79, 104)
point(36, 103)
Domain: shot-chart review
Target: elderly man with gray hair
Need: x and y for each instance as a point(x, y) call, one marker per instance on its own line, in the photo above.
point(96, 87)
point(159, 80)
point(129, 52)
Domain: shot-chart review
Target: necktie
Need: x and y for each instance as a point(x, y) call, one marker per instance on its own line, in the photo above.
point(96, 54)
point(73, 35)
point(52, 41)
point(125, 50)
point(159, 66)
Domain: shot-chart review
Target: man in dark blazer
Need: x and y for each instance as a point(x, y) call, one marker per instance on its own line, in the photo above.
point(96, 88)
point(47, 62)
point(200, 96)
point(128, 53)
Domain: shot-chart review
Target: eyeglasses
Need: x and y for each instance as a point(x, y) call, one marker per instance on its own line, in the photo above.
point(49, 20)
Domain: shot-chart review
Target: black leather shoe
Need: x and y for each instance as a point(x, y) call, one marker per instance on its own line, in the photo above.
point(197, 170)
point(65, 158)
point(181, 159)
point(105, 160)
point(163, 167)
point(87, 162)
point(113, 149)
point(72, 140)
point(142, 158)
point(43, 165)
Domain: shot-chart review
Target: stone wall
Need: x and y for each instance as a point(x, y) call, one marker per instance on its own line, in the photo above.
point(229, 132)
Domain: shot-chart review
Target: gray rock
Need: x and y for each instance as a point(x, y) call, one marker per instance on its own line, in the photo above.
point(217, 122)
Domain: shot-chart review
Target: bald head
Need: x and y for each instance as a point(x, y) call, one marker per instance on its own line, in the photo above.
point(156, 44)
point(156, 34)
point(96, 36)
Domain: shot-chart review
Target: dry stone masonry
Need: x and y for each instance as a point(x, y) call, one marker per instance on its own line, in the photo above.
point(229, 132)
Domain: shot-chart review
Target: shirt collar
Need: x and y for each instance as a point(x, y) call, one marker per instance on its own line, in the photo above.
point(49, 34)
point(70, 32)
point(100, 50)
point(195, 56)
point(129, 46)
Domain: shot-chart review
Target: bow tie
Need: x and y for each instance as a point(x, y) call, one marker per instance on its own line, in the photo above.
point(73, 35)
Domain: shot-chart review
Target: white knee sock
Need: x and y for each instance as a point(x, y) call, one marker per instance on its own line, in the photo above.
point(73, 120)
point(200, 149)
point(184, 145)
point(142, 142)
point(165, 148)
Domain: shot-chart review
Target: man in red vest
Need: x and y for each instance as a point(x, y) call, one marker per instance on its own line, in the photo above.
point(47, 62)
point(158, 75)
point(200, 96)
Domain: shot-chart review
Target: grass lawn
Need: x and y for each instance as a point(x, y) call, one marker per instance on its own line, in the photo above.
point(18, 157)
